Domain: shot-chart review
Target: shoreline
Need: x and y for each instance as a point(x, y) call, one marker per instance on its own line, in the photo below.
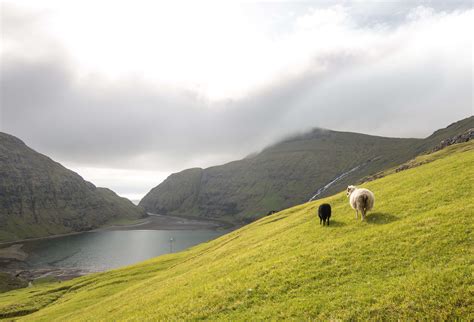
point(6, 243)
point(13, 252)
point(152, 222)
point(13, 257)
point(165, 222)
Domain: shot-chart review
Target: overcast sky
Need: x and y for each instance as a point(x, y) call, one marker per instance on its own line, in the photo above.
point(127, 92)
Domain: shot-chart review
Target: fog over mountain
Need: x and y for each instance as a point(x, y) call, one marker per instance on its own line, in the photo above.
point(126, 97)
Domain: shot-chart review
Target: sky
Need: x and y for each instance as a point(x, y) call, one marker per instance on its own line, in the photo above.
point(127, 92)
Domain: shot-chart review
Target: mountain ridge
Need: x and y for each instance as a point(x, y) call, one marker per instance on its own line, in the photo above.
point(246, 189)
point(40, 197)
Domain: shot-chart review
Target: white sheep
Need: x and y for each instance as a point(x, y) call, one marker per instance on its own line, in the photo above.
point(360, 199)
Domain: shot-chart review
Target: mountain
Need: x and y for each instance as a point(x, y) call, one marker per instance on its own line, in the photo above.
point(40, 197)
point(411, 260)
point(317, 164)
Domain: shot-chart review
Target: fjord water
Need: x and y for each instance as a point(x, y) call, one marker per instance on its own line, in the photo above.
point(103, 250)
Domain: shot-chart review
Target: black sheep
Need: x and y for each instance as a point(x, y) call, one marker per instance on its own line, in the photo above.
point(324, 213)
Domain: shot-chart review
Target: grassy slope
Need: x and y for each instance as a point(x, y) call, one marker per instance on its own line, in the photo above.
point(281, 176)
point(9, 282)
point(411, 259)
point(286, 174)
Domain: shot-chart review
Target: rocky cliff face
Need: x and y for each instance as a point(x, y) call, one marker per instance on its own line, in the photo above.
point(40, 197)
point(286, 174)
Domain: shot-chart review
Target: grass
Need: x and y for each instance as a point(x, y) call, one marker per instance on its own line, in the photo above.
point(9, 282)
point(45, 280)
point(283, 175)
point(423, 159)
point(412, 259)
point(286, 174)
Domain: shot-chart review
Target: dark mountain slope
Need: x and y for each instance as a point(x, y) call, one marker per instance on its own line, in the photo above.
point(285, 174)
point(40, 197)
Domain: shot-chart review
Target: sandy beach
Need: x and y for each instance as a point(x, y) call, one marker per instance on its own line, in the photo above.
point(13, 252)
point(162, 222)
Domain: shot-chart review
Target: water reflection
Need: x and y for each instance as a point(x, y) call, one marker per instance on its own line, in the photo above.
point(99, 251)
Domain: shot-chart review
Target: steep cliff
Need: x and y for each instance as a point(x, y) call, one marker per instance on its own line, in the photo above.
point(40, 197)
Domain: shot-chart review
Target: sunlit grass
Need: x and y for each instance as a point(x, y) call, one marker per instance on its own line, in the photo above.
point(410, 260)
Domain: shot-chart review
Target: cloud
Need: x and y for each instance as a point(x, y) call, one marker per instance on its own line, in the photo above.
point(330, 68)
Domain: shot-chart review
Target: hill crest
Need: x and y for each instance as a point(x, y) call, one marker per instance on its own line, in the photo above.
point(285, 174)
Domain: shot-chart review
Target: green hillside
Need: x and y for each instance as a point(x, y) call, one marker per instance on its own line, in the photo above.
point(39, 197)
point(286, 174)
point(412, 259)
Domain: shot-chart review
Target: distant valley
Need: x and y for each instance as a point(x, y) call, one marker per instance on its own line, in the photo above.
point(39, 197)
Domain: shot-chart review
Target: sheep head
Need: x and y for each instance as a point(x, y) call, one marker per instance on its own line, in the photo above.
point(350, 189)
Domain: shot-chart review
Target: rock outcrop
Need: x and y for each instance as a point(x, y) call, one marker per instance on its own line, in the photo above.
point(460, 138)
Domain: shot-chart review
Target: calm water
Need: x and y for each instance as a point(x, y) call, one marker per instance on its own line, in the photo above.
point(98, 251)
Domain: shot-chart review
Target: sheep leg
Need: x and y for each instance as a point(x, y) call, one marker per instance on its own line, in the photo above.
point(328, 221)
point(357, 213)
point(320, 220)
point(363, 215)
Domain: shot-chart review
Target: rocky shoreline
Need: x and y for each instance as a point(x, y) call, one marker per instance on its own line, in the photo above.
point(13, 263)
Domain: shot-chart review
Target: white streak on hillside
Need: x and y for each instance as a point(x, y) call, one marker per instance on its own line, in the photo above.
point(338, 178)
